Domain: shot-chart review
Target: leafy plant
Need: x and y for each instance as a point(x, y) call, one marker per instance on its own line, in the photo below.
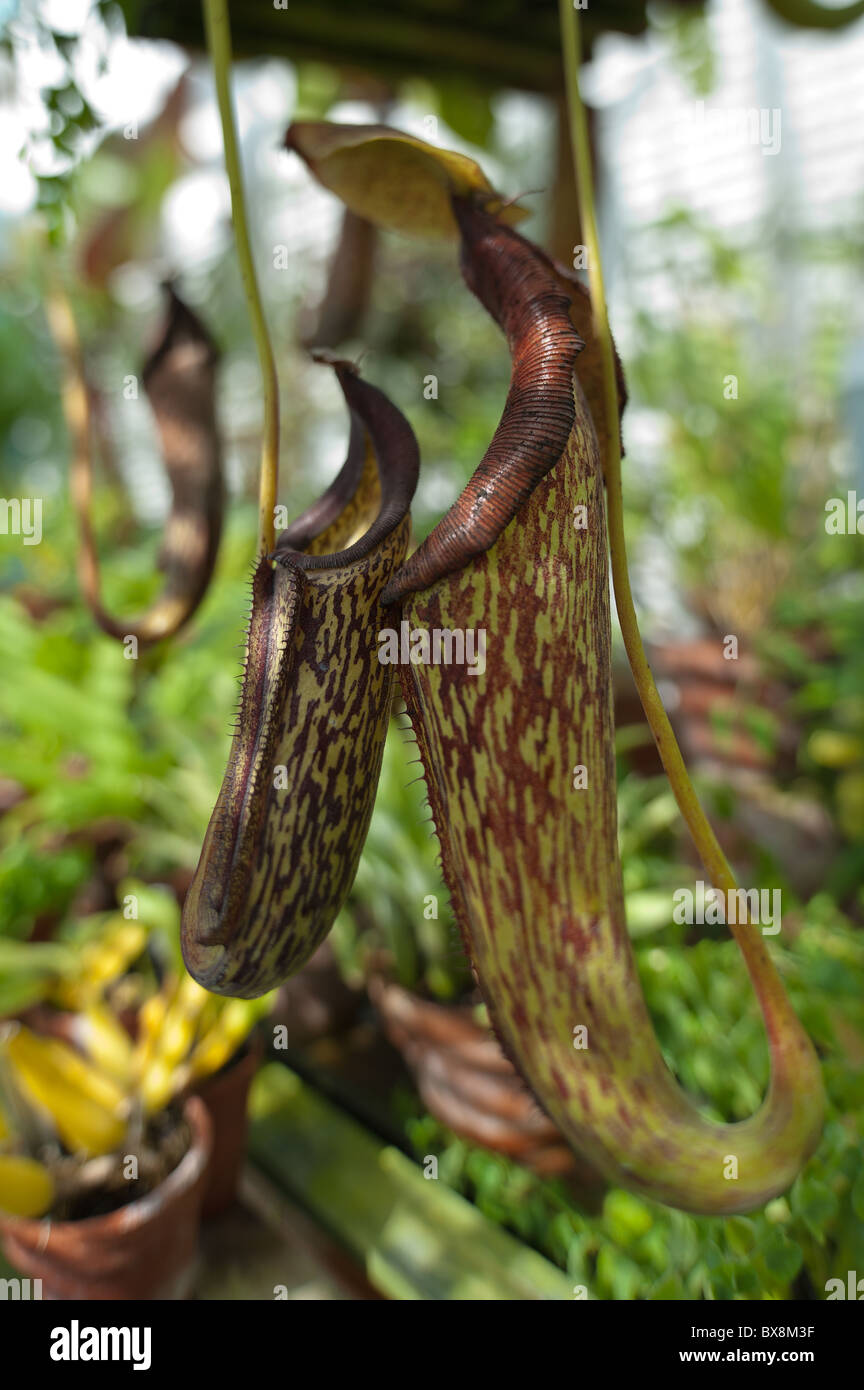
point(135, 1047)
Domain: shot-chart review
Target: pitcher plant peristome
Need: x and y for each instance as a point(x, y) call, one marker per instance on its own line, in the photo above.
point(531, 861)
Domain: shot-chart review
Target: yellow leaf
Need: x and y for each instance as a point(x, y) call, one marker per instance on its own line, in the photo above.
point(26, 1187)
point(158, 1085)
point(102, 961)
point(87, 1108)
point(834, 748)
point(106, 1043)
point(850, 804)
point(394, 179)
point(233, 1026)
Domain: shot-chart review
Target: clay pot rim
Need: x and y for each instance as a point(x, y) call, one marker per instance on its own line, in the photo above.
point(131, 1217)
point(418, 1021)
point(379, 982)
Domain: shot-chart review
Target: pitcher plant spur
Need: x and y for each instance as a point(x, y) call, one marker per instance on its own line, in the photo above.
point(529, 853)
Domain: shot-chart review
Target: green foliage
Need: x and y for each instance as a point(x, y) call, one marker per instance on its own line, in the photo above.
point(90, 736)
point(745, 434)
point(35, 882)
point(27, 971)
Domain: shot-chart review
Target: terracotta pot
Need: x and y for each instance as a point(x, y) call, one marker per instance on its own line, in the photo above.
point(145, 1250)
point(708, 699)
point(468, 1084)
point(711, 701)
point(226, 1097)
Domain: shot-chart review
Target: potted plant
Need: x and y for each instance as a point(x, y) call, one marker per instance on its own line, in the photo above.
point(130, 1092)
point(99, 1198)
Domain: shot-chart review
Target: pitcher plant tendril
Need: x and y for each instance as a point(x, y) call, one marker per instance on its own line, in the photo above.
point(219, 44)
point(759, 964)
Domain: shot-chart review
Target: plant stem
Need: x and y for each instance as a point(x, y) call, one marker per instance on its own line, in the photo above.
point(219, 45)
point(712, 856)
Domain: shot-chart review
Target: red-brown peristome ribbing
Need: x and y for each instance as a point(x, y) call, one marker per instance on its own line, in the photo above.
point(516, 286)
